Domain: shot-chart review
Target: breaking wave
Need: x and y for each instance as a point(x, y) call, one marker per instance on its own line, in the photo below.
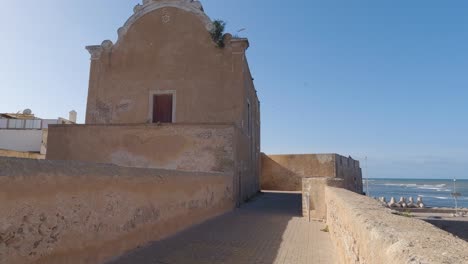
point(436, 193)
point(435, 187)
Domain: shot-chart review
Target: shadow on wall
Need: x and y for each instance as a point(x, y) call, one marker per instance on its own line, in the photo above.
point(277, 177)
point(251, 234)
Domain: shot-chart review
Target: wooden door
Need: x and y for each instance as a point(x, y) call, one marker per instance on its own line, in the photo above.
point(162, 108)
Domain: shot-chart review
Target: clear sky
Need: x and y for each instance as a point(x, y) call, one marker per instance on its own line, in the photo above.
point(383, 79)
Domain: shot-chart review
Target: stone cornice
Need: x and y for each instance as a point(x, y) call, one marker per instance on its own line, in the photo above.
point(97, 50)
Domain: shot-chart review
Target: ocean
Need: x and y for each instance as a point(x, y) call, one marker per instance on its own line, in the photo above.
point(435, 193)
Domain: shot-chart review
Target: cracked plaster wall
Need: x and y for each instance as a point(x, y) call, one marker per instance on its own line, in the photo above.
point(180, 147)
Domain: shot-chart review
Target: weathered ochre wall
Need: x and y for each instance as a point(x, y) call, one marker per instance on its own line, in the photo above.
point(350, 171)
point(189, 147)
point(285, 172)
point(73, 212)
point(248, 136)
point(246, 174)
point(172, 146)
point(366, 232)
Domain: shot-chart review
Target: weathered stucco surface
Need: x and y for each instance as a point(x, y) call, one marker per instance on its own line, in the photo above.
point(350, 171)
point(285, 172)
point(188, 147)
point(73, 212)
point(208, 148)
point(366, 232)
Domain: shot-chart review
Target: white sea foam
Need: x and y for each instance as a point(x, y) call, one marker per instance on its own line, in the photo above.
point(435, 187)
point(435, 197)
point(401, 184)
point(392, 184)
point(435, 192)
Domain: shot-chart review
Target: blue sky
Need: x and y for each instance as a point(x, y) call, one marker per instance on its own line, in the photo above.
point(383, 79)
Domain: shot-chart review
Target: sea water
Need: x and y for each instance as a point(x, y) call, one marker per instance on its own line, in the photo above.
point(435, 193)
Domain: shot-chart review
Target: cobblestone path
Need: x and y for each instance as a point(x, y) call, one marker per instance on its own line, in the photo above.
point(268, 230)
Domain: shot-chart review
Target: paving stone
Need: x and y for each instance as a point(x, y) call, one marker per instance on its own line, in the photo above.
point(268, 230)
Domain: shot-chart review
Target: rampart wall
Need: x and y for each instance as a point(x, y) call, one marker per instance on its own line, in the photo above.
point(189, 147)
point(75, 212)
point(285, 172)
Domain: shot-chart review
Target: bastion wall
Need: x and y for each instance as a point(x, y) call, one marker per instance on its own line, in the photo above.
point(285, 172)
point(207, 148)
point(76, 212)
point(186, 147)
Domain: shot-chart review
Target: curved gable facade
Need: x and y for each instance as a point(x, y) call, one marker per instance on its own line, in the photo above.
point(166, 48)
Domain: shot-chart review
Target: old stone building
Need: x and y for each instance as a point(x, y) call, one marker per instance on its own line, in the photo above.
point(166, 95)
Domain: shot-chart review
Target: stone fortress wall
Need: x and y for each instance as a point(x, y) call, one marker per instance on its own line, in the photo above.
point(206, 148)
point(75, 212)
point(285, 172)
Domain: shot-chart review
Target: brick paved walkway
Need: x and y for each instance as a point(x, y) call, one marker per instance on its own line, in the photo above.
point(266, 231)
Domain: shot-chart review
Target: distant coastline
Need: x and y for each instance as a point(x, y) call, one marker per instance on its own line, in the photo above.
point(435, 192)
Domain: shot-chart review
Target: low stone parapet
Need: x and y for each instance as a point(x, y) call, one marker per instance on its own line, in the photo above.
point(74, 212)
point(364, 231)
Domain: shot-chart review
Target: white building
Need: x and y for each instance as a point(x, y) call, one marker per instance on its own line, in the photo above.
point(23, 132)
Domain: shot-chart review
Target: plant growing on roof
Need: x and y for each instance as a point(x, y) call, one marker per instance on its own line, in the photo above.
point(217, 33)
